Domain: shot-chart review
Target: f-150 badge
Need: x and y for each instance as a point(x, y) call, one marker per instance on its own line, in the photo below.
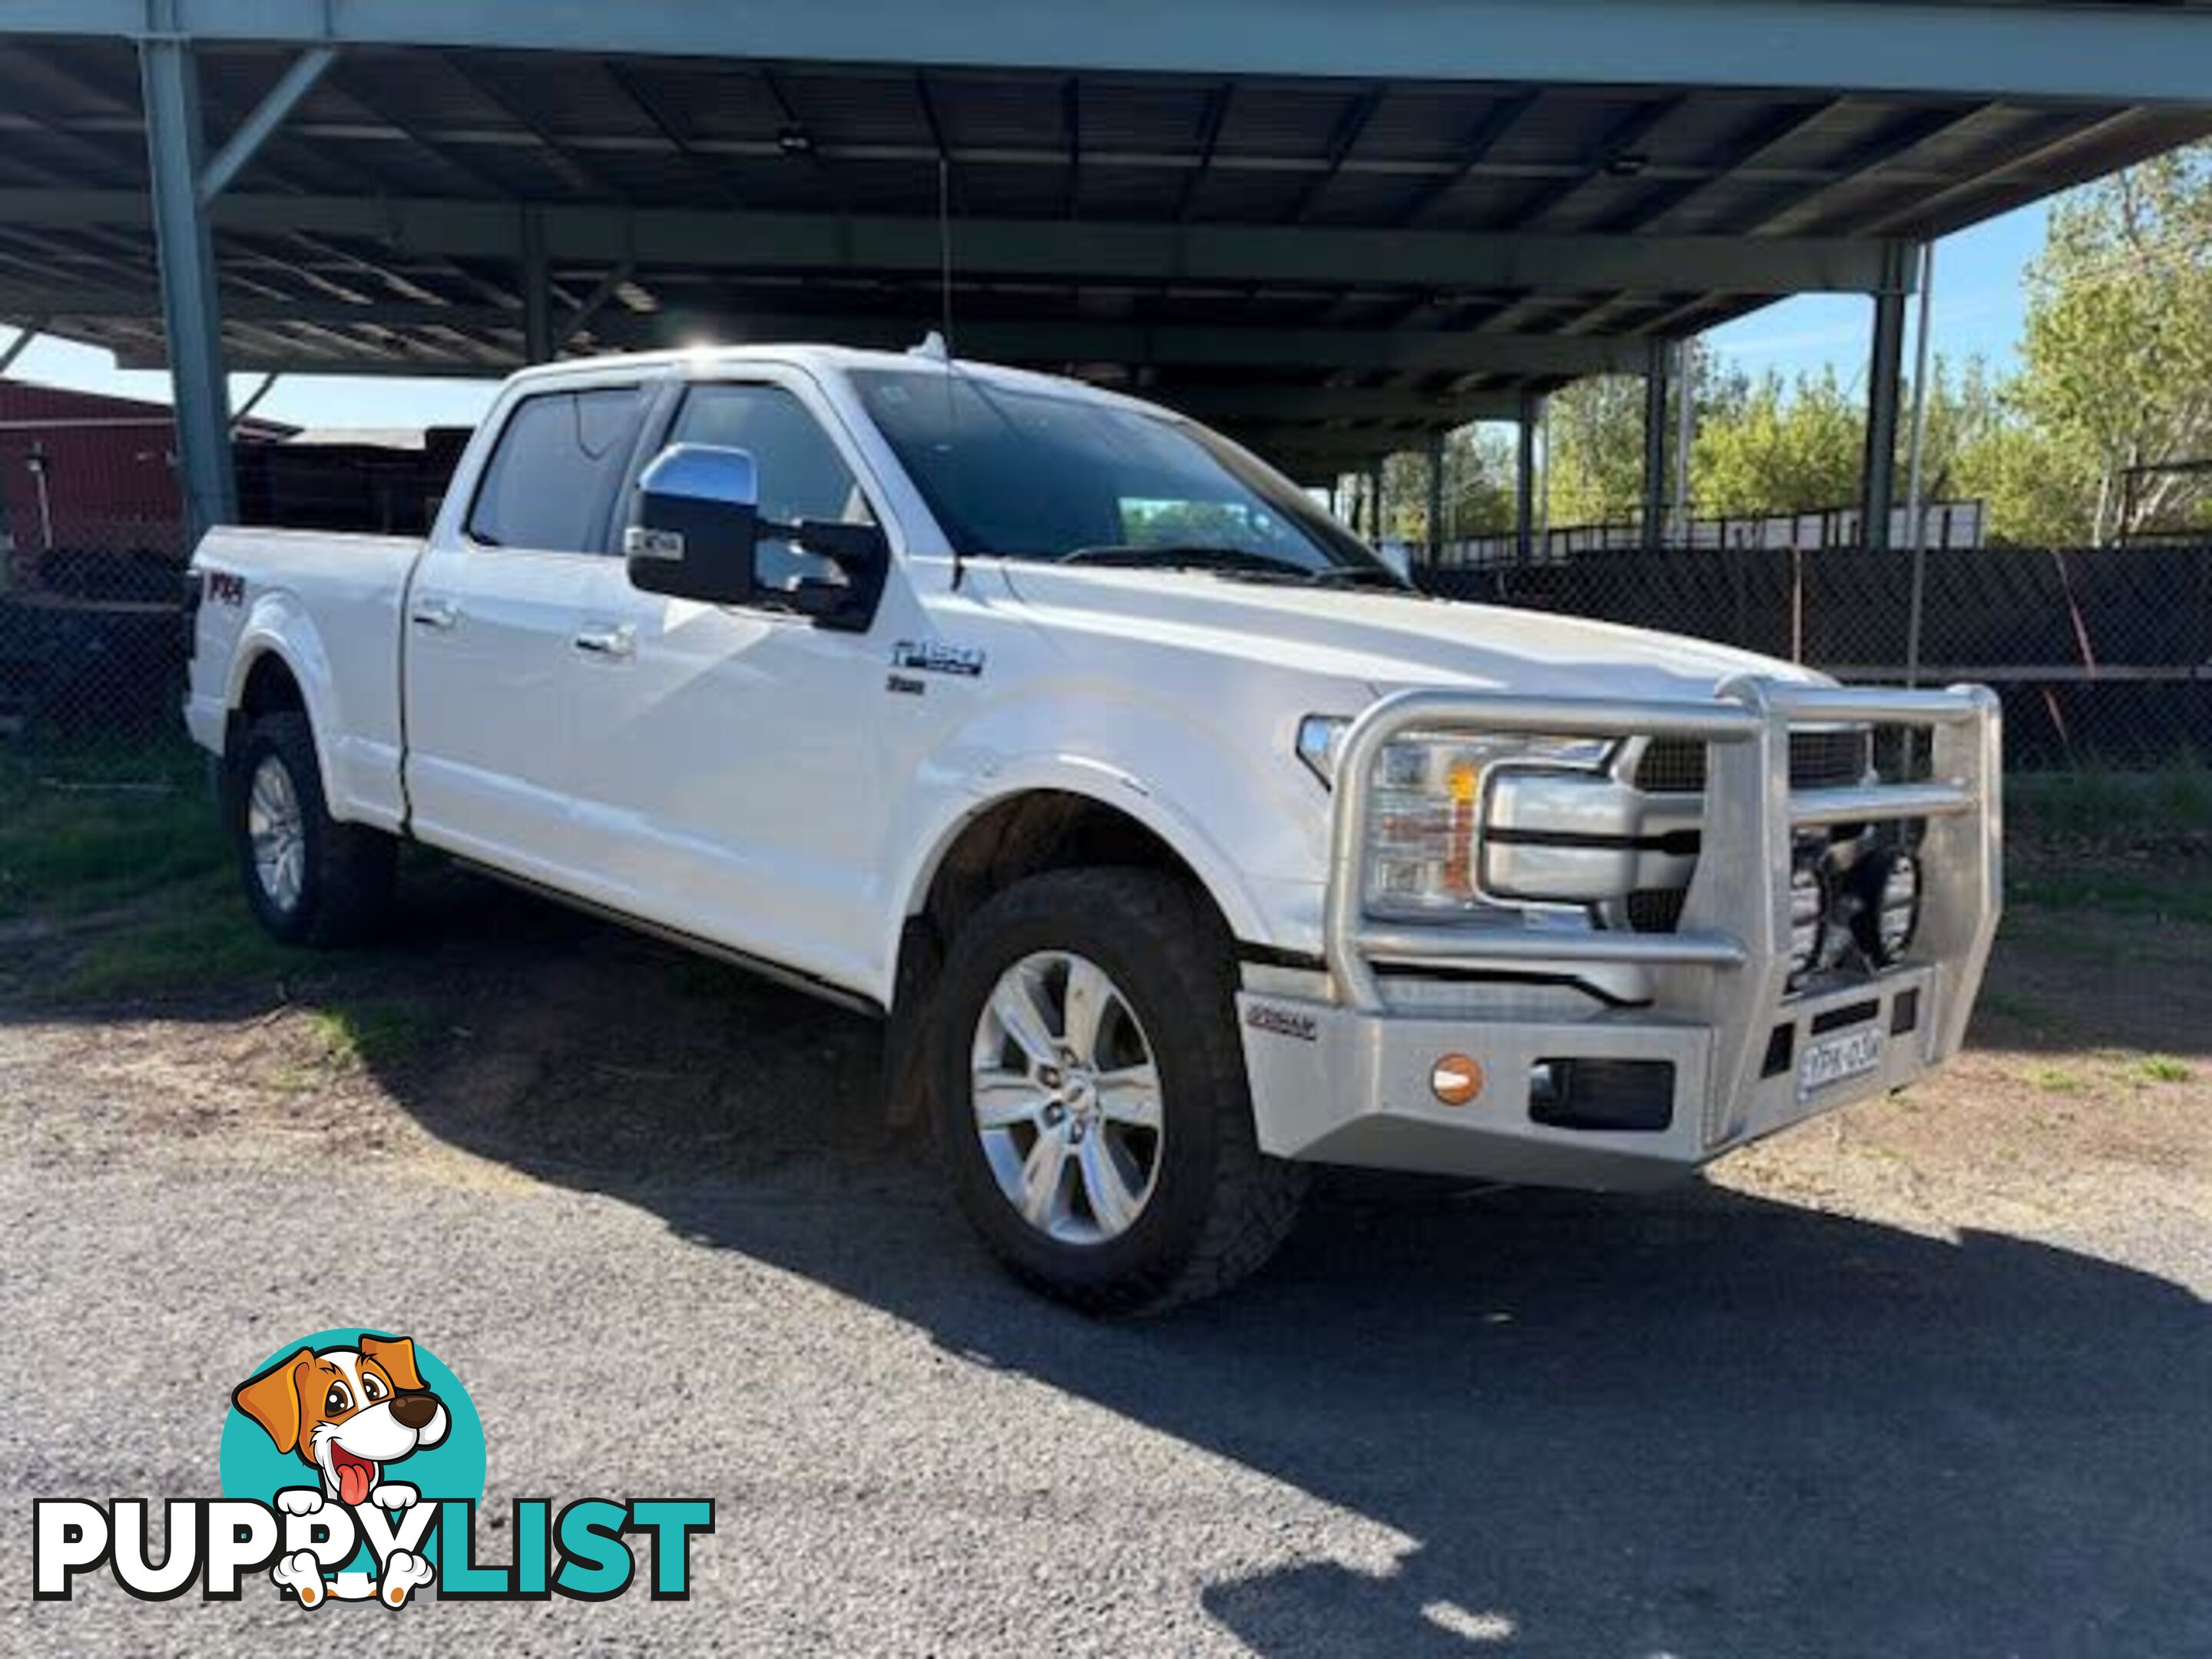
point(935, 657)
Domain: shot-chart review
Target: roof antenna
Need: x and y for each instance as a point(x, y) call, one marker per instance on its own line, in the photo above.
point(944, 247)
point(942, 339)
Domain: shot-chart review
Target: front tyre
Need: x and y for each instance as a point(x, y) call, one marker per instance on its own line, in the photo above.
point(1091, 1101)
point(309, 878)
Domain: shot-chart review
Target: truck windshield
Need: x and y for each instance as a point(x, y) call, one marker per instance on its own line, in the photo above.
point(1016, 474)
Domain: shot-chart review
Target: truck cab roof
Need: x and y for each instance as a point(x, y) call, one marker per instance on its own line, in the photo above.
point(831, 361)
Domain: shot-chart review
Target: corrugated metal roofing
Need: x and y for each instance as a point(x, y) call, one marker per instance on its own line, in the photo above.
point(1070, 152)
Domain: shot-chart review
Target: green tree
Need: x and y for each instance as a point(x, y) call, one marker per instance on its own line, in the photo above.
point(2115, 373)
point(1478, 493)
point(1595, 431)
point(1782, 448)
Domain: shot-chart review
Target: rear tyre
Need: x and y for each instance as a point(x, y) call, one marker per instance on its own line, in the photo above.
point(1090, 1102)
point(310, 879)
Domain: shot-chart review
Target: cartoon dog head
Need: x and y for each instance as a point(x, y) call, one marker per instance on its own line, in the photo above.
point(346, 1411)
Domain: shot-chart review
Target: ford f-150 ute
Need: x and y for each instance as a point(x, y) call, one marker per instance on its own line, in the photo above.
point(1181, 843)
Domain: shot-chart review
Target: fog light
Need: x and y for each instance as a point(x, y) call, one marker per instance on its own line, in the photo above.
point(1891, 914)
point(1808, 919)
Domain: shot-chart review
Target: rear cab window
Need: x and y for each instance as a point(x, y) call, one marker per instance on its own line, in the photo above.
point(560, 457)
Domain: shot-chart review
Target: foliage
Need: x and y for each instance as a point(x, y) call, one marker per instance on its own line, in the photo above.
point(1478, 492)
point(2080, 444)
point(1793, 449)
point(2117, 363)
point(1595, 434)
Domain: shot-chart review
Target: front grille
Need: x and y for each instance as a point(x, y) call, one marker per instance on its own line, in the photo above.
point(1832, 759)
point(1656, 909)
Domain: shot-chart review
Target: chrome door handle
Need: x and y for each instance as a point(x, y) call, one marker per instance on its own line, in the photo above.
point(435, 614)
point(608, 641)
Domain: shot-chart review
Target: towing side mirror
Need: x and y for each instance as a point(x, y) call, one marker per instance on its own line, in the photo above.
point(698, 518)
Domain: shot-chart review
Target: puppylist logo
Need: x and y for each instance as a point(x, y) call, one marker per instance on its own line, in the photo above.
point(352, 1464)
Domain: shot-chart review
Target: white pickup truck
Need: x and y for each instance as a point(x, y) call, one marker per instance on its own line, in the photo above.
point(1181, 842)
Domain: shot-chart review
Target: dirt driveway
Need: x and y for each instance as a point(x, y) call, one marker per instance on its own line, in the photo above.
point(1931, 1377)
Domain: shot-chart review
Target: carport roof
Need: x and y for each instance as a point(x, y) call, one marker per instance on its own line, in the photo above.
point(1348, 228)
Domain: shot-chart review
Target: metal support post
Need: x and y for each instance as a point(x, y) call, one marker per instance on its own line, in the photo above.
point(1915, 526)
point(190, 313)
point(1885, 374)
point(1436, 552)
point(1686, 433)
point(1655, 447)
point(1524, 481)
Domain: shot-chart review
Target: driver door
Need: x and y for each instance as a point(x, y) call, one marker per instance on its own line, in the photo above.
point(729, 754)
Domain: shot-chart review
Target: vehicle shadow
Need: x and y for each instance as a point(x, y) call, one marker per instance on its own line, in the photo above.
point(1701, 1422)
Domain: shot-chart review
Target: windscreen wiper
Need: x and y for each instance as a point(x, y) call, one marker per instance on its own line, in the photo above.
point(1334, 576)
point(1180, 555)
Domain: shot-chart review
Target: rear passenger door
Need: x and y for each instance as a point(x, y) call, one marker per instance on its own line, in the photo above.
point(492, 620)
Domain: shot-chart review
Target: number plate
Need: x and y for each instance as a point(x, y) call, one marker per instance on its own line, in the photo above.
point(1832, 1060)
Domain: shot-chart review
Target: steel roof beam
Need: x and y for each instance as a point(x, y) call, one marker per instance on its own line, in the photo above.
point(1218, 101)
point(1105, 250)
point(1497, 121)
point(27, 335)
point(296, 83)
point(1784, 127)
point(573, 173)
point(2022, 177)
point(1905, 135)
point(1284, 404)
point(1617, 148)
point(648, 104)
point(2133, 54)
point(1403, 350)
point(1350, 127)
point(1382, 437)
point(1435, 170)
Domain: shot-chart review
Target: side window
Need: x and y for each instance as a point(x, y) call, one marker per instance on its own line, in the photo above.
point(560, 457)
point(802, 475)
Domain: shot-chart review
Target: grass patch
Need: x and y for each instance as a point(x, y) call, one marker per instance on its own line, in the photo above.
point(2135, 846)
point(124, 840)
point(2060, 933)
point(2164, 1068)
point(2182, 897)
point(191, 935)
point(2056, 1080)
point(94, 836)
point(374, 1034)
point(2011, 1008)
point(2111, 809)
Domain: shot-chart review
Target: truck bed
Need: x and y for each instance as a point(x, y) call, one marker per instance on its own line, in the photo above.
point(337, 601)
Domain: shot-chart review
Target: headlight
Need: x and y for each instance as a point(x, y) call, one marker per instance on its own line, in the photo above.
point(1426, 808)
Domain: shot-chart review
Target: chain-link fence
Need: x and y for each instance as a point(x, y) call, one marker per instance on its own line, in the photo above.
point(2102, 656)
point(92, 637)
point(92, 643)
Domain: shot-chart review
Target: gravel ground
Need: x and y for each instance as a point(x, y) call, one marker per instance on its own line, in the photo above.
point(1933, 1377)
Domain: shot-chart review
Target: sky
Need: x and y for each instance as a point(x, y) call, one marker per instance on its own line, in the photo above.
point(1980, 307)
